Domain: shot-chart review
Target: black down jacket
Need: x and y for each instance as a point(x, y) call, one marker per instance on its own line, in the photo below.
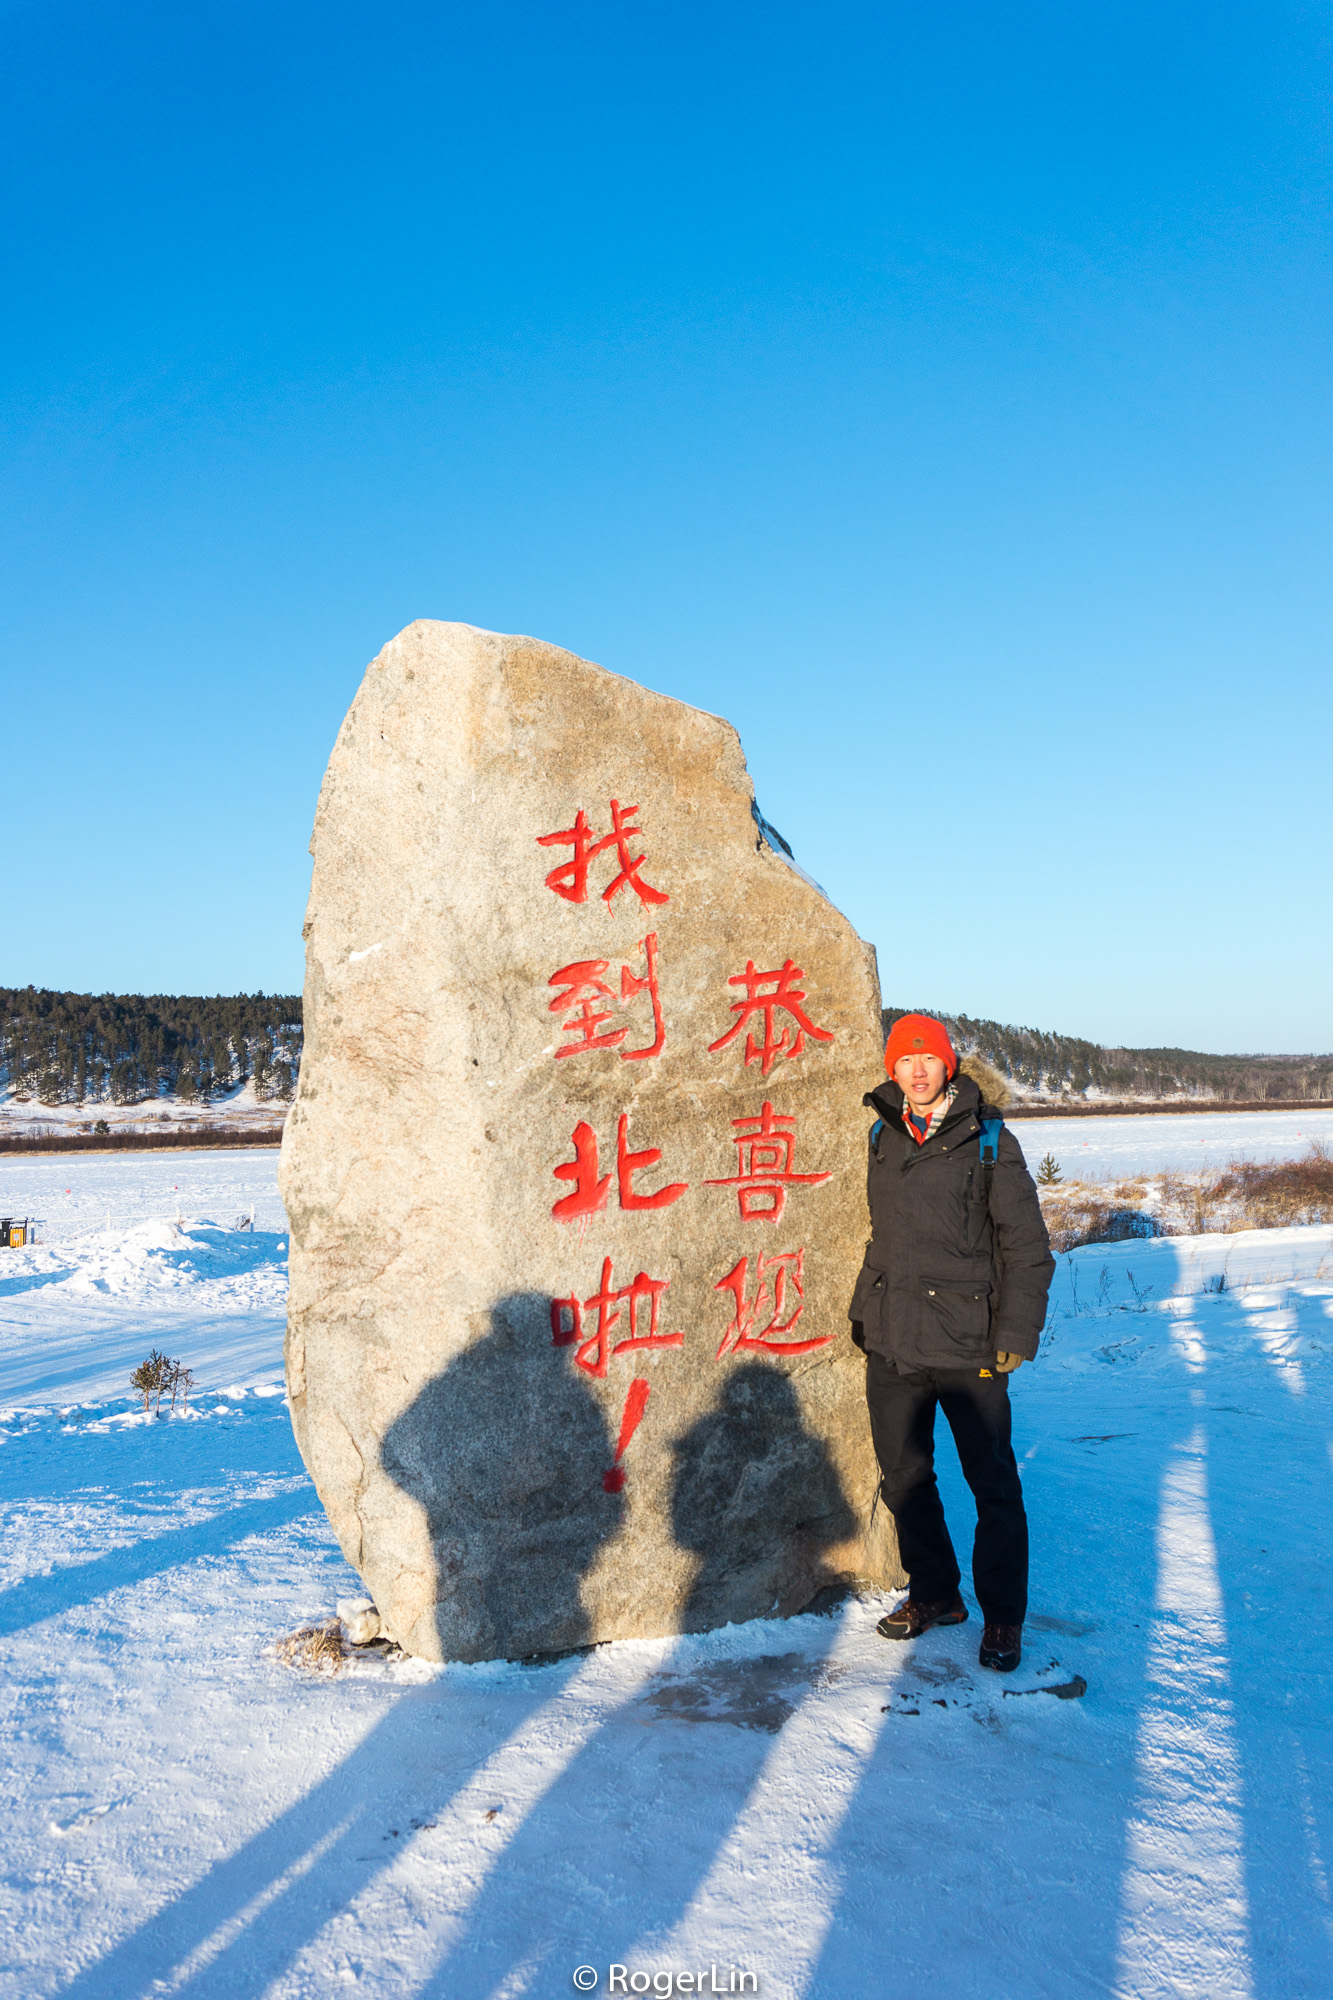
point(950, 1280)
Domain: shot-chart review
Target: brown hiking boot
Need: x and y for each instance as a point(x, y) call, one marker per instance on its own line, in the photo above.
point(1001, 1647)
point(911, 1619)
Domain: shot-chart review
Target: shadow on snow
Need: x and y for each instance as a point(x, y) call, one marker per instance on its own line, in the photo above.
point(959, 1861)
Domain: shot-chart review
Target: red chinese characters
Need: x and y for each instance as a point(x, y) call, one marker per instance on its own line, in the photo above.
point(636, 1402)
point(589, 1003)
point(785, 997)
point(766, 1145)
point(783, 1306)
point(591, 1192)
point(570, 879)
point(593, 1351)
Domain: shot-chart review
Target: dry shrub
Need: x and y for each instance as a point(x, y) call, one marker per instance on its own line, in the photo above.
point(316, 1648)
point(1275, 1194)
point(1189, 1205)
point(1247, 1194)
point(1198, 1201)
point(1077, 1214)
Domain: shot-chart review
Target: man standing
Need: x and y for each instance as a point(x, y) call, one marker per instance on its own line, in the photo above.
point(950, 1301)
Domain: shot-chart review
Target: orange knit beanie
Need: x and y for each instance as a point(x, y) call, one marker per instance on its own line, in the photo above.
point(919, 1034)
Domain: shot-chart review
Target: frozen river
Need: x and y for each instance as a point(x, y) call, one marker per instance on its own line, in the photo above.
point(1170, 1141)
point(69, 1195)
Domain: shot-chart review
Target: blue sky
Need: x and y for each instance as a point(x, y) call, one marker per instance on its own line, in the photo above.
point(941, 394)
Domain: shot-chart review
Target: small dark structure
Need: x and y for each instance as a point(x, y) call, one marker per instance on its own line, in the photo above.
point(13, 1233)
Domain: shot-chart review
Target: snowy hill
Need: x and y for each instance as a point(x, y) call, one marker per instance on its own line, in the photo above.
point(1040, 1065)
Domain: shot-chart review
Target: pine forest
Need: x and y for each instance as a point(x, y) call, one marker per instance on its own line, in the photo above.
point(125, 1048)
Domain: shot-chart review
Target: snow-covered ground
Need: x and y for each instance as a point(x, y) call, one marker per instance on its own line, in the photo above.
point(1170, 1141)
point(65, 1195)
point(800, 1801)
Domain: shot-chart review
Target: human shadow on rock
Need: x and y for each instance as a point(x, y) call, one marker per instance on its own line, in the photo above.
point(757, 1497)
point(505, 1451)
point(614, 1853)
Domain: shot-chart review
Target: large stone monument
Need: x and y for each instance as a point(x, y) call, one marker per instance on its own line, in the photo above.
point(575, 1172)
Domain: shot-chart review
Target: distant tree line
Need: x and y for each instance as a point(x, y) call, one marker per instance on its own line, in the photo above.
point(1062, 1065)
point(123, 1048)
point(75, 1048)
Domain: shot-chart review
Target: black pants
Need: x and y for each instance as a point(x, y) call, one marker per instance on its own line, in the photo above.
point(902, 1423)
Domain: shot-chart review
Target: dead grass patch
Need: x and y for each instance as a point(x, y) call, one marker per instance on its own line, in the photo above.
point(1077, 1214)
point(1278, 1194)
point(1245, 1194)
point(1188, 1204)
point(317, 1649)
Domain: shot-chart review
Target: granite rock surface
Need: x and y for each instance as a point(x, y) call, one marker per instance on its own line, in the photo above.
point(575, 1171)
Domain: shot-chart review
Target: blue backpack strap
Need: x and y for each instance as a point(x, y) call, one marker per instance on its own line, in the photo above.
point(875, 1131)
point(991, 1129)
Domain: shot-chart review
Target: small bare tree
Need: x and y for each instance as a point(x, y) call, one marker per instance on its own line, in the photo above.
point(159, 1376)
point(151, 1376)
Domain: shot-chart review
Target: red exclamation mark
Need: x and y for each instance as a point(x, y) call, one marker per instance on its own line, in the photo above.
point(636, 1402)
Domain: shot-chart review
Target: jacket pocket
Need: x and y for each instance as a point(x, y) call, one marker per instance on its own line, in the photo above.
point(868, 1297)
point(956, 1316)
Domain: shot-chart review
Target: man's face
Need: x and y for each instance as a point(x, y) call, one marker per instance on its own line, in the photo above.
point(921, 1079)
